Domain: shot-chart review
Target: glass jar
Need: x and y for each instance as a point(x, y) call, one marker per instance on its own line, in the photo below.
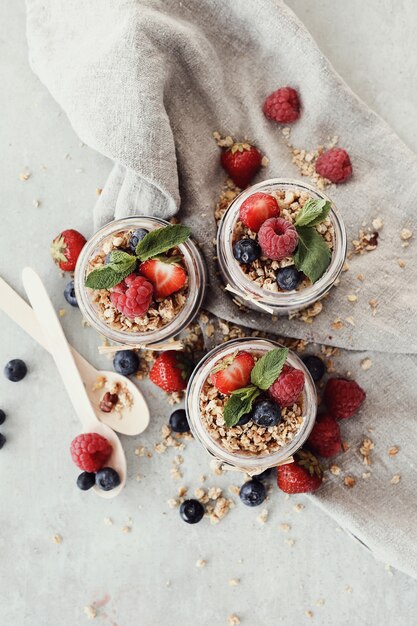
point(251, 294)
point(197, 280)
point(252, 464)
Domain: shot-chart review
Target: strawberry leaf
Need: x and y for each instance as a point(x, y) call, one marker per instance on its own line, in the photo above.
point(162, 239)
point(313, 212)
point(239, 403)
point(312, 255)
point(268, 368)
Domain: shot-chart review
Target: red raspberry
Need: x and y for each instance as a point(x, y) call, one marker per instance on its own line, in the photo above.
point(90, 451)
point(283, 105)
point(132, 296)
point(343, 397)
point(325, 438)
point(277, 238)
point(287, 388)
point(334, 165)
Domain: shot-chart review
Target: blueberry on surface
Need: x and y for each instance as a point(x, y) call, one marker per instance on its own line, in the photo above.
point(86, 480)
point(2, 440)
point(2, 417)
point(252, 493)
point(137, 236)
point(126, 362)
point(266, 412)
point(178, 421)
point(191, 511)
point(315, 366)
point(15, 370)
point(246, 251)
point(69, 294)
point(107, 479)
point(288, 278)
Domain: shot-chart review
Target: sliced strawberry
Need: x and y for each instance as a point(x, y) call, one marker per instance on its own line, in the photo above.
point(234, 373)
point(166, 277)
point(258, 208)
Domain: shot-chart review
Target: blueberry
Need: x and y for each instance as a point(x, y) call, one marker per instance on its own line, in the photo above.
point(252, 493)
point(126, 362)
point(246, 417)
point(137, 236)
point(2, 417)
point(69, 294)
point(15, 370)
point(178, 421)
point(2, 440)
point(191, 511)
point(107, 479)
point(247, 251)
point(266, 413)
point(315, 366)
point(288, 278)
point(86, 480)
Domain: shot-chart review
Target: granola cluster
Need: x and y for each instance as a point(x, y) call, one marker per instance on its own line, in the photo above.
point(263, 270)
point(158, 315)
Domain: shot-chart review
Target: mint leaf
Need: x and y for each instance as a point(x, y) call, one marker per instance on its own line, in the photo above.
point(105, 277)
point(162, 239)
point(239, 403)
point(268, 368)
point(313, 212)
point(312, 255)
point(121, 261)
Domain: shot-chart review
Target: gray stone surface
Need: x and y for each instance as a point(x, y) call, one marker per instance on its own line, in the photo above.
point(149, 576)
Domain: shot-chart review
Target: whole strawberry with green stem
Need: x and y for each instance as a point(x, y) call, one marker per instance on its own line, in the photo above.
point(242, 162)
point(171, 371)
point(302, 476)
point(66, 248)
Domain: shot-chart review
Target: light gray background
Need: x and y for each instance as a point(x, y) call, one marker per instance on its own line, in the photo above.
point(372, 45)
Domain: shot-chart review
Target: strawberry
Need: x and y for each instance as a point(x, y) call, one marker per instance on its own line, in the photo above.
point(301, 476)
point(171, 371)
point(165, 275)
point(258, 208)
point(343, 397)
point(66, 248)
point(325, 437)
point(234, 373)
point(242, 161)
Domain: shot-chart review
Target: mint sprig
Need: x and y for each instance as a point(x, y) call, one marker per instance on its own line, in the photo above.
point(312, 256)
point(263, 375)
point(122, 264)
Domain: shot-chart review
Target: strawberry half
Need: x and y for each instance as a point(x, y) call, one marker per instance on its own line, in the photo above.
point(242, 161)
point(257, 209)
point(66, 248)
point(234, 373)
point(325, 438)
point(165, 275)
point(301, 476)
point(171, 371)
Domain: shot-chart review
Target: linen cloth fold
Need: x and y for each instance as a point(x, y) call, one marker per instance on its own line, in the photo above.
point(146, 82)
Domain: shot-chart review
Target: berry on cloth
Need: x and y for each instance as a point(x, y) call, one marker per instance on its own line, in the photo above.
point(191, 511)
point(90, 451)
point(171, 371)
point(325, 438)
point(66, 248)
point(233, 373)
point(258, 208)
point(178, 421)
point(288, 278)
point(137, 236)
point(287, 388)
point(301, 476)
point(107, 479)
point(343, 397)
point(165, 276)
point(277, 238)
point(252, 493)
point(86, 480)
point(126, 362)
point(69, 294)
point(334, 165)
point(246, 251)
point(132, 296)
point(283, 105)
point(242, 162)
point(315, 366)
point(15, 370)
point(266, 413)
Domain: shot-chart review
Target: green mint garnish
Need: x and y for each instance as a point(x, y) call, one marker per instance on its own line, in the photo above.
point(152, 245)
point(160, 240)
point(264, 374)
point(268, 368)
point(312, 256)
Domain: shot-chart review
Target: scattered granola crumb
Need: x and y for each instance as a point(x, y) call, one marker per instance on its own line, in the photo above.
point(182, 491)
point(365, 242)
point(265, 161)
point(350, 320)
point(263, 516)
point(57, 539)
point(233, 620)
point(349, 481)
point(366, 364)
point(201, 563)
point(348, 589)
point(290, 542)
point(401, 263)
point(98, 191)
point(378, 223)
point(388, 569)
point(360, 277)
point(337, 324)
point(395, 479)
point(36, 204)
point(108, 521)
point(345, 446)
point(126, 529)
point(234, 582)
point(365, 450)
point(366, 475)
point(285, 527)
point(393, 450)
point(90, 611)
point(320, 602)
point(352, 297)
point(309, 614)
point(202, 478)
point(62, 312)
point(24, 176)
point(298, 507)
point(335, 470)
point(406, 234)
point(216, 467)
